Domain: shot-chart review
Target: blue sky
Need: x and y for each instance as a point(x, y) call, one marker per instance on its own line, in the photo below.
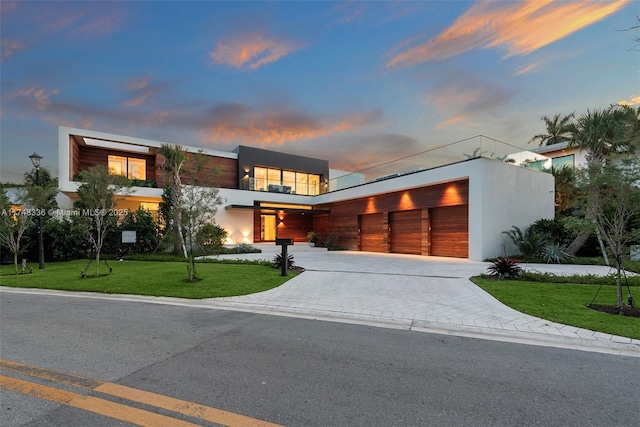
point(357, 83)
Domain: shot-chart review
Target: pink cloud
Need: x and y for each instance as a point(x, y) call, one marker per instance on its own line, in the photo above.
point(232, 123)
point(10, 48)
point(251, 51)
point(39, 96)
point(518, 27)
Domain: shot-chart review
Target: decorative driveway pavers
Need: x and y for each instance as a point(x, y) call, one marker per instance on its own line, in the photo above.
point(414, 292)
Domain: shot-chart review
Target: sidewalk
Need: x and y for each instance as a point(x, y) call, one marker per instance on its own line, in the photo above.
point(409, 292)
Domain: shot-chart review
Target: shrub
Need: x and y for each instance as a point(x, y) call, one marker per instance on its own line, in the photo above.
point(505, 268)
point(244, 248)
point(552, 231)
point(528, 243)
point(211, 236)
point(554, 253)
point(313, 237)
point(277, 261)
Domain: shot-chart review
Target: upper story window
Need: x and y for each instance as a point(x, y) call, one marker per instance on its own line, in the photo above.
point(560, 162)
point(286, 181)
point(130, 167)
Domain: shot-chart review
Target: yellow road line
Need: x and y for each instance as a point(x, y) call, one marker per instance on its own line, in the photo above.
point(190, 409)
point(92, 404)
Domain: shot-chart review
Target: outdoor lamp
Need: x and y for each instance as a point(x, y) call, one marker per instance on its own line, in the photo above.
point(36, 159)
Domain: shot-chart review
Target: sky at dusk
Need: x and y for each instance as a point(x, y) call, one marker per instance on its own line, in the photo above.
point(357, 83)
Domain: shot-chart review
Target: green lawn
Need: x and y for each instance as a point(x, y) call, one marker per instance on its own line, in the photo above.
point(150, 278)
point(565, 303)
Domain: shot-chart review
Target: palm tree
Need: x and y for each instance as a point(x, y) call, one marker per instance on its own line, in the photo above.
point(565, 182)
point(601, 134)
point(557, 130)
point(175, 156)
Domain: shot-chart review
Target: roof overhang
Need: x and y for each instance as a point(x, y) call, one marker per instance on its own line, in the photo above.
point(274, 209)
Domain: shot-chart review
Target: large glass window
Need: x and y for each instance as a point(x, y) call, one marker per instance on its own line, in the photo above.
point(130, 167)
point(273, 176)
point(118, 165)
point(314, 185)
point(560, 162)
point(260, 179)
point(136, 169)
point(286, 181)
point(289, 180)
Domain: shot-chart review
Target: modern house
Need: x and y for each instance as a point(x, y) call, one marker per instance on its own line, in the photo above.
point(456, 209)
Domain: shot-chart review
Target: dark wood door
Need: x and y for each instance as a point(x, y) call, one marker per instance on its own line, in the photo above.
point(371, 231)
point(450, 231)
point(406, 232)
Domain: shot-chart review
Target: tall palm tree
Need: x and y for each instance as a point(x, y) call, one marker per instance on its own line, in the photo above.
point(175, 156)
point(601, 133)
point(557, 130)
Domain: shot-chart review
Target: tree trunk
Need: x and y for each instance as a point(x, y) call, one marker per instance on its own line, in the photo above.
point(97, 262)
point(619, 283)
point(15, 261)
point(578, 242)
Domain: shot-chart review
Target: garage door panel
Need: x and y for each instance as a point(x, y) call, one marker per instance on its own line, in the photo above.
point(406, 232)
point(371, 232)
point(450, 231)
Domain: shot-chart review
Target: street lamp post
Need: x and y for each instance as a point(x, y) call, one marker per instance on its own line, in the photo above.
point(36, 159)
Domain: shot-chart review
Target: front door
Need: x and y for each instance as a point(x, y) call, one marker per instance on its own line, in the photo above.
point(267, 228)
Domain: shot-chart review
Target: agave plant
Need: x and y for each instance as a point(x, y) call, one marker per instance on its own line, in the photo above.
point(554, 253)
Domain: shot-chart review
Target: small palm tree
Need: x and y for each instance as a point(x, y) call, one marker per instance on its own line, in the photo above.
point(558, 130)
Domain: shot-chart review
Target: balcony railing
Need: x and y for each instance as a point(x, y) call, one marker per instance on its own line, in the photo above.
point(284, 187)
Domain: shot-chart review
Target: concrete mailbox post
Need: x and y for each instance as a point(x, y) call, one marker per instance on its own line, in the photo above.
point(283, 243)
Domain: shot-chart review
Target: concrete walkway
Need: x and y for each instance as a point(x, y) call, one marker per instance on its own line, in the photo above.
point(429, 294)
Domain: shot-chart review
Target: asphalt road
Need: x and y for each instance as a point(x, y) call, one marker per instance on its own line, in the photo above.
point(293, 372)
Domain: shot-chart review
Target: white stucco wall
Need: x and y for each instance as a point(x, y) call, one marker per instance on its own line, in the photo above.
point(500, 196)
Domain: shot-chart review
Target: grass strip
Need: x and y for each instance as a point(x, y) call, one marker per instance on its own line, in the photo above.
point(563, 303)
point(150, 278)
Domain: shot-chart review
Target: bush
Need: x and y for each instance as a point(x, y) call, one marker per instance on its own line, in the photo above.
point(552, 231)
point(505, 268)
point(147, 232)
point(63, 240)
point(545, 239)
point(211, 236)
point(243, 248)
point(554, 253)
point(528, 243)
point(277, 261)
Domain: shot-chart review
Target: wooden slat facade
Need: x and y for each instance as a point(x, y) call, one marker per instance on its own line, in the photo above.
point(91, 156)
point(218, 171)
point(221, 172)
point(450, 231)
point(406, 232)
point(343, 220)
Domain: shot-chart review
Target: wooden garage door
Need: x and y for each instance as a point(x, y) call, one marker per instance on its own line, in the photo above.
point(406, 232)
point(450, 231)
point(371, 232)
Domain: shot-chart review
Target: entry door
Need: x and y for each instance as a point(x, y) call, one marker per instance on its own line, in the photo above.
point(267, 228)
